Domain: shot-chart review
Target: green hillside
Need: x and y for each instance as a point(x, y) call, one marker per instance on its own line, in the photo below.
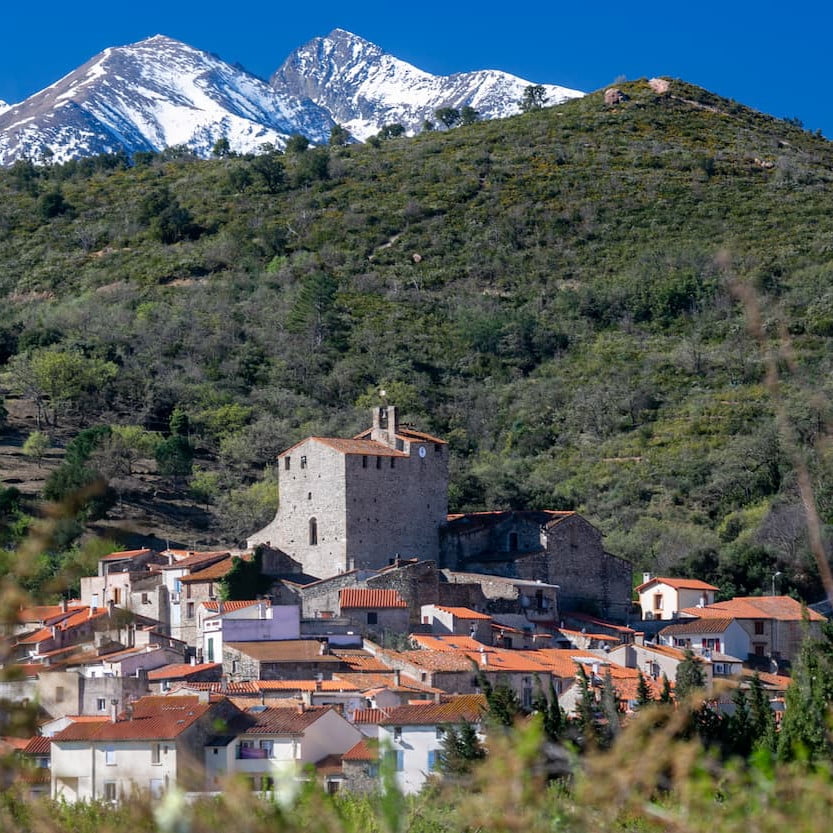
point(552, 293)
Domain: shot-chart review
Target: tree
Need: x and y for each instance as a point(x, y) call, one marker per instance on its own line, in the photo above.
point(270, 170)
point(586, 709)
point(665, 694)
point(503, 704)
point(804, 729)
point(339, 136)
point(554, 720)
point(174, 457)
point(391, 131)
point(296, 143)
point(460, 749)
point(245, 579)
point(610, 709)
point(761, 716)
point(468, 115)
point(690, 676)
point(222, 148)
point(36, 445)
point(644, 697)
point(52, 204)
point(448, 116)
point(534, 98)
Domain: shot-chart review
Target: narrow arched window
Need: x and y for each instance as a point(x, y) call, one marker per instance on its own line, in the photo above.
point(313, 532)
point(513, 542)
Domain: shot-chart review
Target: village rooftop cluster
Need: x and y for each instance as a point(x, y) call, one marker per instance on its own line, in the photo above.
point(381, 621)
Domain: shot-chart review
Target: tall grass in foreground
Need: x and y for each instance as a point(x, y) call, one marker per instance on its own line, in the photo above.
point(651, 780)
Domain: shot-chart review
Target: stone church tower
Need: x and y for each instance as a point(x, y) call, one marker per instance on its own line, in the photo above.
point(358, 503)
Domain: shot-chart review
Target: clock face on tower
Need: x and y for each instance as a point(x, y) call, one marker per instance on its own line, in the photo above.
point(422, 451)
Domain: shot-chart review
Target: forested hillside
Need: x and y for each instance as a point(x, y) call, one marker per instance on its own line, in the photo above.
point(552, 293)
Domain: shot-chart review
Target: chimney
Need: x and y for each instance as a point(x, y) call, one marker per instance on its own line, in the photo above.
point(114, 710)
point(484, 658)
point(64, 605)
point(93, 603)
point(397, 677)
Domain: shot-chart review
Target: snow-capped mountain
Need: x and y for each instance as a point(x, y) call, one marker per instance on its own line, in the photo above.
point(364, 88)
point(151, 95)
point(159, 93)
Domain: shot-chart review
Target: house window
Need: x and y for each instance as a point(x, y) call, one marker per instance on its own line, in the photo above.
point(60, 693)
point(116, 595)
point(372, 617)
point(303, 461)
point(145, 599)
point(364, 461)
point(378, 462)
point(711, 644)
point(658, 601)
point(438, 449)
point(759, 649)
point(286, 463)
point(110, 756)
point(156, 753)
point(188, 590)
point(210, 589)
point(101, 704)
point(398, 758)
point(397, 734)
point(759, 627)
point(210, 651)
point(309, 495)
point(313, 532)
point(177, 585)
point(433, 760)
point(393, 462)
point(190, 610)
point(267, 746)
point(110, 792)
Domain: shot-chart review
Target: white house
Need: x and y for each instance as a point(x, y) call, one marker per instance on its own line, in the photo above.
point(459, 621)
point(664, 598)
point(413, 735)
point(277, 740)
point(256, 620)
point(156, 744)
point(718, 639)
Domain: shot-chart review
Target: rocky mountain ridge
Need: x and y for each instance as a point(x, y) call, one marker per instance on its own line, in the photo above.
point(159, 93)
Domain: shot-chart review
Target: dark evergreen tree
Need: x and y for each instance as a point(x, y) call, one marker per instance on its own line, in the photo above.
point(534, 98)
point(665, 694)
point(643, 692)
point(586, 709)
point(460, 750)
point(690, 676)
point(502, 702)
point(552, 715)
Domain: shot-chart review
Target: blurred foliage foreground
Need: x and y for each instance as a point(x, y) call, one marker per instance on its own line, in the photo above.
point(652, 779)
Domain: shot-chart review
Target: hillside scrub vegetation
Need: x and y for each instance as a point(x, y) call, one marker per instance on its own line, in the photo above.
point(552, 293)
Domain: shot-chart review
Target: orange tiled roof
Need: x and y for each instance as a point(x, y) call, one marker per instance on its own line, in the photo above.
point(154, 718)
point(781, 608)
point(678, 584)
point(120, 556)
point(463, 707)
point(282, 721)
point(38, 745)
point(285, 650)
point(364, 750)
point(181, 670)
point(218, 569)
point(306, 685)
point(350, 597)
point(709, 624)
point(369, 716)
point(194, 559)
point(462, 612)
point(235, 605)
point(74, 618)
point(353, 446)
point(367, 682)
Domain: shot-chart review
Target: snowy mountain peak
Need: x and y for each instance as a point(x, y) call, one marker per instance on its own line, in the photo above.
point(363, 87)
point(160, 92)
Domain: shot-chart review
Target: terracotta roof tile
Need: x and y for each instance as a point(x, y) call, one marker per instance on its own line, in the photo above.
point(287, 650)
point(678, 583)
point(365, 750)
point(462, 612)
point(283, 721)
point(121, 556)
point(781, 608)
point(464, 707)
point(228, 607)
point(195, 559)
point(710, 624)
point(38, 745)
point(352, 446)
point(218, 569)
point(181, 670)
point(369, 716)
point(352, 597)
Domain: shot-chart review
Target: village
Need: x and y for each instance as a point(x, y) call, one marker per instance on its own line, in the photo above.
point(364, 621)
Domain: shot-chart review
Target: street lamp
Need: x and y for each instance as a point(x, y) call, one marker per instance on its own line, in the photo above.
point(775, 576)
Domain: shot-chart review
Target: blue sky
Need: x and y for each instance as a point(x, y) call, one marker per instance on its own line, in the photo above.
point(769, 56)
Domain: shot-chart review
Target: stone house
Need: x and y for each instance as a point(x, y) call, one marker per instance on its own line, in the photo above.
point(360, 767)
point(359, 503)
point(556, 548)
point(663, 598)
point(296, 659)
point(373, 612)
point(458, 621)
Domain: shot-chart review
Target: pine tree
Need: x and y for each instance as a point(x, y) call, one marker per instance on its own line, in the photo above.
point(690, 676)
point(610, 709)
point(554, 720)
point(586, 708)
point(461, 748)
point(740, 730)
point(644, 696)
point(761, 716)
point(665, 694)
